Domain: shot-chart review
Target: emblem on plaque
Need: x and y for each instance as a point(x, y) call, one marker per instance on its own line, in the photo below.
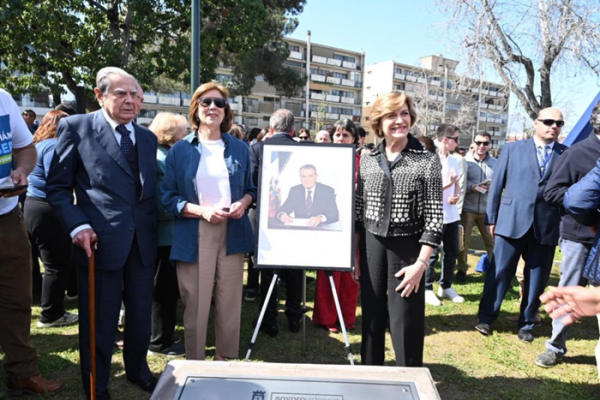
point(258, 395)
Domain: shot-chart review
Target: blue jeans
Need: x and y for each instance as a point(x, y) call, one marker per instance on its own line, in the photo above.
point(450, 246)
point(574, 255)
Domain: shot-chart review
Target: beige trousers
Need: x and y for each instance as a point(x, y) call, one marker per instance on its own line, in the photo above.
point(468, 220)
point(223, 273)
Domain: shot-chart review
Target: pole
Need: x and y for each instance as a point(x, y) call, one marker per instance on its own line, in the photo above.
point(92, 311)
point(307, 94)
point(445, 87)
point(195, 67)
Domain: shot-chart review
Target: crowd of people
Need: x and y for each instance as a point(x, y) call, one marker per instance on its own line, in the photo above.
point(169, 213)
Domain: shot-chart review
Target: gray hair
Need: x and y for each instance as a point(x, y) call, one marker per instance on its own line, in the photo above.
point(103, 78)
point(282, 120)
point(595, 119)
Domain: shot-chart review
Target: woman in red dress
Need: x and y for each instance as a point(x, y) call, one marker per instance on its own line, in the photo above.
point(325, 313)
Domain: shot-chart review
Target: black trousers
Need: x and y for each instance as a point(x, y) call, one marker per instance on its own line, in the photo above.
point(54, 246)
point(381, 258)
point(293, 285)
point(164, 306)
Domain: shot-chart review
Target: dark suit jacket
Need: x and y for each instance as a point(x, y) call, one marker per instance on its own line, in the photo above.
point(256, 152)
point(516, 201)
point(323, 203)
point(88, 159)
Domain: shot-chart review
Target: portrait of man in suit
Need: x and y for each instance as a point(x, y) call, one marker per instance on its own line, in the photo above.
point(110, 163)
point(310, 200)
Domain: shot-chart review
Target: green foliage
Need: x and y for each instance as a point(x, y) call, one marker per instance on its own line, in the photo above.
point(65, 42)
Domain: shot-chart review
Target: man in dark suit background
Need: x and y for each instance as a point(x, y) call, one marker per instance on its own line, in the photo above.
point(523, 223)
point(110, 162)
point(311, 199)
point(281, 131)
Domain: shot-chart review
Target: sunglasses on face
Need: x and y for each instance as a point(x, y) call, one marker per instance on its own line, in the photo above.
point(303, 137)
point(549, 122)
point(207, 101)
point(482, 143)
point(453, 138)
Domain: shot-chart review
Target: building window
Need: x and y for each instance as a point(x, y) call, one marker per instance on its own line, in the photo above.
point(294, 48)
point(344, 58)
point(339, 75)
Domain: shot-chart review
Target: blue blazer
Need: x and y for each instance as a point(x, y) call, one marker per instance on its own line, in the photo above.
point(516, 201)
point(179, 187)
point(89, 160)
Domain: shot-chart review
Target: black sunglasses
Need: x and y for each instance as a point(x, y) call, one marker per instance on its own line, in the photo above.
point(453, 138)
point(482, 143)
point(207, 101)
point(550, 122)
point(303, 137)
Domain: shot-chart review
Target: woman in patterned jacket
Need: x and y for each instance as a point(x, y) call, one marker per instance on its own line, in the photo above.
point(398, 223)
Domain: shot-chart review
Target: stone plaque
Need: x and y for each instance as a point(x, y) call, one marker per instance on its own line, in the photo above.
point(207, 387)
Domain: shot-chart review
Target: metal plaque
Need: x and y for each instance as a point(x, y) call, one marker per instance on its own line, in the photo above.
point(210, 387)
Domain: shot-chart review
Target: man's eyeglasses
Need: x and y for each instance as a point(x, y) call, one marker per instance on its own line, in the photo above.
point(482, 143)
point(303, 137)
point(456, 139)
point(207, 101)
point(549, 122)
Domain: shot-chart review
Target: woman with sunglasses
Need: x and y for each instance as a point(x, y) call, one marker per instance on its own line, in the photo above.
point(208, 187)
point(325, 313)
point(304, 135)
point(398, 223)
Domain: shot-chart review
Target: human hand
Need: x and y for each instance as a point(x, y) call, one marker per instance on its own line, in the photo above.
point(19, 179)
point(492, 230)
point(571, 303)
point(286, 219)
point(313, 222)
point(86, 238)
point(236, 210)
point(214, 215)
point(412, 278)
point(356, 272)
point(453, 199)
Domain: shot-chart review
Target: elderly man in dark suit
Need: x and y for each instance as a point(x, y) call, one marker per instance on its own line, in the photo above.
point(110, 162)
point(311, 199)
point(281, 131)
point(523, 222)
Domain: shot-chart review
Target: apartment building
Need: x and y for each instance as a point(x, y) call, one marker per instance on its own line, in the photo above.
point(441, 95)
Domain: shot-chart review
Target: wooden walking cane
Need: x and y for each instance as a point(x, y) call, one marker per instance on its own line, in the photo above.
point(92, 311)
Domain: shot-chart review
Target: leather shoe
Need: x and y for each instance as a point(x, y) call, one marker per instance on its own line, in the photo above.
point(34, 385)
point(483, 328)
point(146, 386)
point(294, 326)
point(525, 336)
point(100, 396)
point(269, 329)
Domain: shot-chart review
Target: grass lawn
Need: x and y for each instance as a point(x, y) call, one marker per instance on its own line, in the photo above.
point(463, 363)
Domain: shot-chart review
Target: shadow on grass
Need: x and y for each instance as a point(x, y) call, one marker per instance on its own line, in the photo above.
point(452, 383)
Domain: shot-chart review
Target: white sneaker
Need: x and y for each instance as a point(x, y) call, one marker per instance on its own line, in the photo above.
point(431, 298)
point(450, 294)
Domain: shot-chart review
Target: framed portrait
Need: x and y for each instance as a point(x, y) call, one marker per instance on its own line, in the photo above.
point(305, 214)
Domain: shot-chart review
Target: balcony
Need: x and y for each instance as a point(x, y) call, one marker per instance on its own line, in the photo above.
point(169, 100)
point(251, 108)
point(348, 82)
point(234, 106)
point(422, 80)
point(186, 102)
point(317, 96)
point(331, 97)
point(314, 114)
point(151, 98)
point(411, 78)
point(348, 64)
point(296, 55)
point(334, 62)
point(464, 88)
point(436, 83)
point(266, 107)
point(432, 97)
point(335, 81)
point(319, 59)
point(332, 116)
point(318, 78)
point(347, 100)
point(401, 77)
point(440, 98)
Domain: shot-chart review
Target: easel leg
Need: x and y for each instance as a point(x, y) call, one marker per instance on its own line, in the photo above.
point(340, 317)
point(304, 313)
point(262, 315)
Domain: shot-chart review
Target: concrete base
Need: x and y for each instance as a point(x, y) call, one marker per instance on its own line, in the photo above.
point(177, 371)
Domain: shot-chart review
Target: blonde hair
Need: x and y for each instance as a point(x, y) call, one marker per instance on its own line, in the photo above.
point(165, 125)
point(387, 104)
point(227, 119)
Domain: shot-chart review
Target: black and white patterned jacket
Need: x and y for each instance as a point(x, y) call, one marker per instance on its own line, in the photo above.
point(401, 198)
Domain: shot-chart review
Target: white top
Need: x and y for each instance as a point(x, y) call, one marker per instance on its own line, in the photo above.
point(13, 134)
point(449, 164)
point(212, 177)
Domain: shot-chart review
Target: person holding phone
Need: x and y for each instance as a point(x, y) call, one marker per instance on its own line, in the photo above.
point(208, 187)
point(480, 170)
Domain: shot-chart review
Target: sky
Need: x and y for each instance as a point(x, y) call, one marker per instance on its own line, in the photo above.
point(404, 30)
